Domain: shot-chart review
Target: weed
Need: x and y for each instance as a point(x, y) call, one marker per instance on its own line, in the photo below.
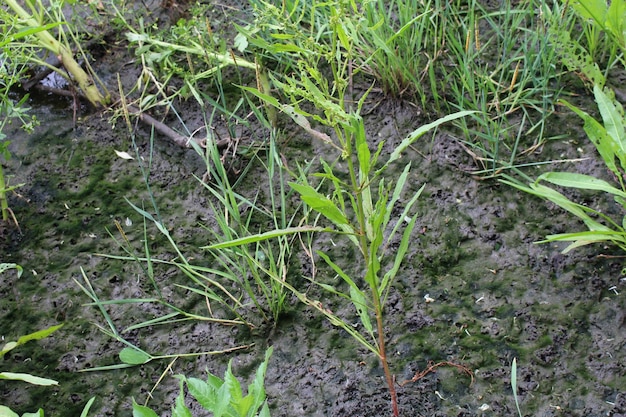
point(503, 66)
point(221, 397)
point(29, 378)
point(400, 45)
point(360, 207)
point(609, 138)
point(36, 24)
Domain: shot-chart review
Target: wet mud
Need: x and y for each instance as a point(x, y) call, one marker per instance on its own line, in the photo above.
point(475, 289)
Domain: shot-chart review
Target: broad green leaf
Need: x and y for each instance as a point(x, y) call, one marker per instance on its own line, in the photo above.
point(358, 299)
point(31, 379)
point(320, 203)
point(616, 21)
point(257, 388)
point(303, 122)
point(265, 411)
point(132, 356)
point(223, 399)
point(7, 412)
point(591, 9)
point(581, 181)
point(234, 386)
point(38, 335)
point(38, 413)
point(202, 392)
point(142, 411)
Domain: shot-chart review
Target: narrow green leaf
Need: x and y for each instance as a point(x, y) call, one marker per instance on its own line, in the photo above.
point(264, 97)
point(419, 132)
point(38, 413)
point(320, 203)
point(264, 236)
point(31, 379)
point(581, 181)
point(362, 148)
point(7, 412)
point(356, 295)
point(514, 384)
point(400, 254)
point(203, 393)
point(87, 406)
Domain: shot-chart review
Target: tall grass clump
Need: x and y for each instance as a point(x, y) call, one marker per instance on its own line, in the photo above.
point(501, 64)
point(400, 44)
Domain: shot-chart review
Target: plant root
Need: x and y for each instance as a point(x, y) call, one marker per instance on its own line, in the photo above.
point(433, 366)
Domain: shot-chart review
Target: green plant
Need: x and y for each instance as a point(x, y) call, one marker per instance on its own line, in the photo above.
point(35, 25)
point(609, 138)
point(265, 262)
point(9, 346)
point(503, 66)
point(359, 206)
point(400, 44)
point(604, 27)
point(176, 62)
point(610, 141)
point(221, 397)
point(131, 355)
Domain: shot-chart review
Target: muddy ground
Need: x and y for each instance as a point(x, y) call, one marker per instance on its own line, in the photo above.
point(475, 289)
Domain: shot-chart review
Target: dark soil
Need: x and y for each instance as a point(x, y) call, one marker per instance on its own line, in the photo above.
point(475, 290)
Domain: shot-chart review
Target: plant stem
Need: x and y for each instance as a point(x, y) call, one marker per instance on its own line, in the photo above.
point(383, 358)
point(47, 41)
point(371, 268)
point(4, 205)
